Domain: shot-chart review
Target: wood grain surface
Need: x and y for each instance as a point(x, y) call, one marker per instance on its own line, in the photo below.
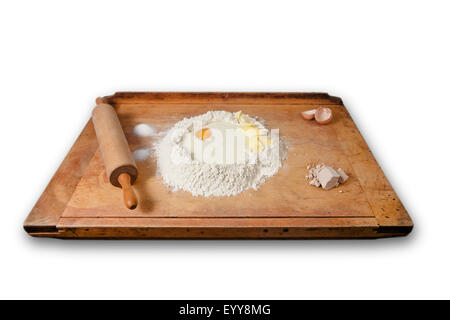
point(88, 206)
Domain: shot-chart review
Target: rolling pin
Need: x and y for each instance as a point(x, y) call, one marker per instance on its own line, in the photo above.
point(119, 163)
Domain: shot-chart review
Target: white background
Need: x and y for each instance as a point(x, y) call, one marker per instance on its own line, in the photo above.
point(388, 60)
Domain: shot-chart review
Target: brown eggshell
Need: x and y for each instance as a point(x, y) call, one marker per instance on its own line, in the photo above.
point(323, 115)
point(309, 114)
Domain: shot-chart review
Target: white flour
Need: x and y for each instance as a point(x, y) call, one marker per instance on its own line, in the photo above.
point(144, 130)
point(181, 172)
point(141, 154)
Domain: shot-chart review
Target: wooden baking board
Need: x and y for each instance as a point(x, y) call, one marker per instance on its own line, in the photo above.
point(79, 202)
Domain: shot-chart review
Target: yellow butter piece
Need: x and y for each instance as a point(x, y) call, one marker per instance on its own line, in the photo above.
point(246, 124)
point(251, 131)
point(257, 138)
point(258, 143)
point(254, 144)
point(265, 141)
point(238, 114)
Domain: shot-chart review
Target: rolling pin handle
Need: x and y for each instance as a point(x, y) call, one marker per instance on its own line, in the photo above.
point(99, 100)
point(129, 196)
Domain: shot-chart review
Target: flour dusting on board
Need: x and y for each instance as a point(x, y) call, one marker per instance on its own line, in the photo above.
point(141, 154)
point(219, 153)
point(144, 130)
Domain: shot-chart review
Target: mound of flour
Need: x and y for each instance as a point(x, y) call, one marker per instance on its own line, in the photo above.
point(181, 172)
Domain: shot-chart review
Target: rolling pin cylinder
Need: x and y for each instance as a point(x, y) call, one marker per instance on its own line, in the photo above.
point(113, 144)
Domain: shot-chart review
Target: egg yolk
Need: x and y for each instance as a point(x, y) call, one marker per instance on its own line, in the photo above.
point(203, 134)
